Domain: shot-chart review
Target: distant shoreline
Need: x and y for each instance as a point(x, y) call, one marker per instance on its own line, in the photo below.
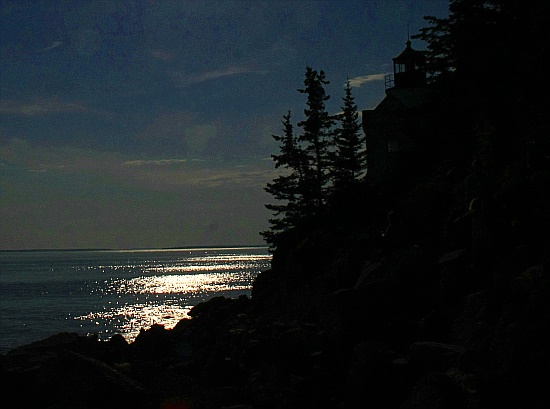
point(138, 249)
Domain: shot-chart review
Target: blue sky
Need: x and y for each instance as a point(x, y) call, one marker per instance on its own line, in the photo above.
point(145, 123)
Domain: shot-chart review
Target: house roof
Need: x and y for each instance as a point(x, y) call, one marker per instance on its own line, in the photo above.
point(410, 97)
point(403, 98)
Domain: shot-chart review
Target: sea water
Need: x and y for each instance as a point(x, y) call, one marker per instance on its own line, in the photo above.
point(43, 293)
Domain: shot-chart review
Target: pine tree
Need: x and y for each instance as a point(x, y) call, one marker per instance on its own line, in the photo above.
point(287, 189)
point(300, 192)
point(316, 138)
point(478, 51)
point(349, 161)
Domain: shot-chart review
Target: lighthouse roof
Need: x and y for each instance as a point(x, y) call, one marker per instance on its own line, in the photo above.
point(409, 54)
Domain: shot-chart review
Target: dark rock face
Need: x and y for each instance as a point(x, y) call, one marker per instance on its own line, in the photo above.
point(428, 357)
point(56, 376)
point(436, 391)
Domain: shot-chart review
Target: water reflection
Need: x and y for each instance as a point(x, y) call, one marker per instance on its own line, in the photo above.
point(164, 291)
point(129, 319)
point(182, 283)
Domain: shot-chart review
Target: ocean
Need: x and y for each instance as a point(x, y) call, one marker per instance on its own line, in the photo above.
point(98, 292)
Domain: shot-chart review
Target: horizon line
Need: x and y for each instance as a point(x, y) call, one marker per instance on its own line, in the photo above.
point(137, 249)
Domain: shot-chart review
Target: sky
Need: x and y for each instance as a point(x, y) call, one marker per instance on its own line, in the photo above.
point(148, 124)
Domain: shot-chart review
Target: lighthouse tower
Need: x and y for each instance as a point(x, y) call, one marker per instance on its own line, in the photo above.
point(392, 128)
point(409, 69)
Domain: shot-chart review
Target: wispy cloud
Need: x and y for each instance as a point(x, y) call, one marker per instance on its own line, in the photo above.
point(163, 55)
point(152, 162)
point(359, 81)
point(54, 45)
point(41, 106)
point(182, 79)
point(24, 155)
point(253, 177)
point(359, 114)
point(201, 174)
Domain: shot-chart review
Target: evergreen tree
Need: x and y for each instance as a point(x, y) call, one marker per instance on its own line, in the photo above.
point(349, 162)
point(316, 138)
point(439, 58)
point(480, 49)
point(312, 160)
point(288, 188)
point(478, 52)
point(484, 44)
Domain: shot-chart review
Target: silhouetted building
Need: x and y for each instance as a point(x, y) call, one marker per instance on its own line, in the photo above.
point(391, 126)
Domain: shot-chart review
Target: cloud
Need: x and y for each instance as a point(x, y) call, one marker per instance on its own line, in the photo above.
point(176, 134)
point(143, 173)
point(220, 178)
point(157, 162)
point(23, 155)
point(359, 81)
point(184, 80)
point(163, 55)
point(359, 114)
point(158, 175)
point(40, 107)
point(54, 45)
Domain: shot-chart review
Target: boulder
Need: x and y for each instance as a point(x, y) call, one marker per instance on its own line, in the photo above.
point(403, 267)
point(455, 274)
point(427, 357)
point(436, 391)
point(153, 344)
point(67, 379)
point(221, 370)
point(368, 379)
point(335, 314)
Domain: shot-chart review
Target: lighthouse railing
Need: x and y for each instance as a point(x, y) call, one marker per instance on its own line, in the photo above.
point(389, 81)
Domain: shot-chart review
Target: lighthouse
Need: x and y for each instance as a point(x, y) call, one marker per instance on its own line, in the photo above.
point(409, 70)
point(393, 126)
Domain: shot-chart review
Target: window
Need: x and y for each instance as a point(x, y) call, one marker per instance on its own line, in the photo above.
point(399, 68)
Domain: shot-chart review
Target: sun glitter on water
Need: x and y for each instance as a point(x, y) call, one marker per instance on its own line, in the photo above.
point(166, 293)
point(129, 319)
